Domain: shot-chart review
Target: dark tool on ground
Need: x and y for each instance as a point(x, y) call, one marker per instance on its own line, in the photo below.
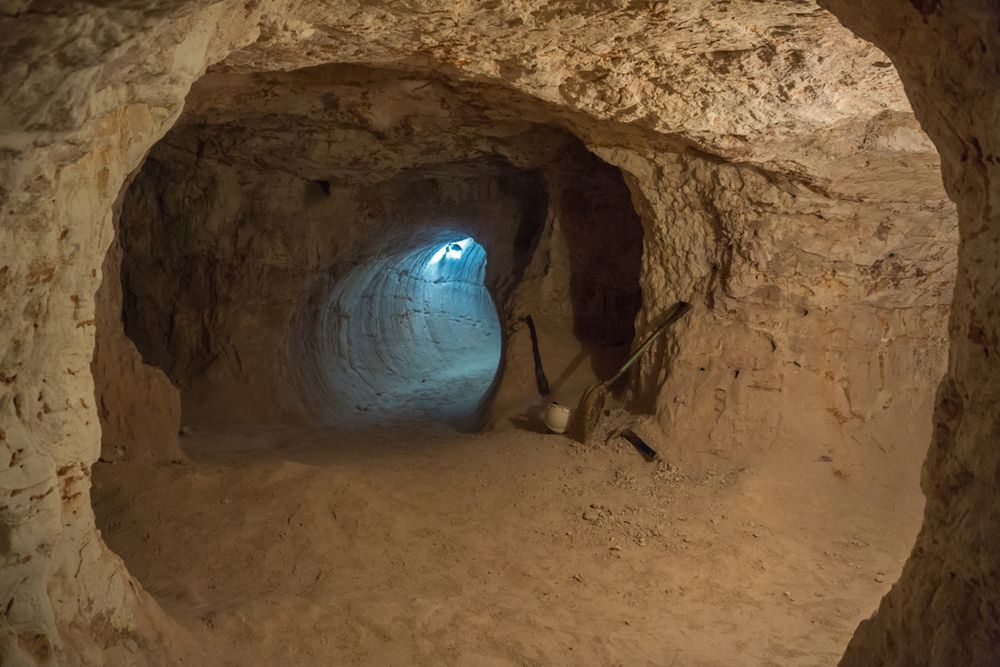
point(647, 452)
point(543, 383)
point(588, 412)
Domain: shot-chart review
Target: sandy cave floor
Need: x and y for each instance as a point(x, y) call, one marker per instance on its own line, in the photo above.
point(430, 547)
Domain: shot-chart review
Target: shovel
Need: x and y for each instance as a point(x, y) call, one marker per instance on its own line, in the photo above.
point(588, 412)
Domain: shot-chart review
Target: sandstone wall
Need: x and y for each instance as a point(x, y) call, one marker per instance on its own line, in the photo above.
point(821, 314)
point(72, 132)
point(945, 608)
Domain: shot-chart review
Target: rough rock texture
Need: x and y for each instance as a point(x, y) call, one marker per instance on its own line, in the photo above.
point(781, 183)
point(945, 609)
point(788, 271)
point(72, 131)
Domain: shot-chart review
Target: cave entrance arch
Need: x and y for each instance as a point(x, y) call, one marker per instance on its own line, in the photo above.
point(144, 137)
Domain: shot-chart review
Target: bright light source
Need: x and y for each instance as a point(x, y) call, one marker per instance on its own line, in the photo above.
point(451, 250)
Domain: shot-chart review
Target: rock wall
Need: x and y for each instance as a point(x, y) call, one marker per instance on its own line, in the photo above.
point(945, 609)
point(761, 163)
point(822, 312)
point(72, 131)
point(139, 408)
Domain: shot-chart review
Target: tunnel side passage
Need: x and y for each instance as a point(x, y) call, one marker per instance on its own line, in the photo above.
point(408, 335)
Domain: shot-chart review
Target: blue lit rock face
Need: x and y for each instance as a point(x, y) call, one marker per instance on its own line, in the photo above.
point(411, 335)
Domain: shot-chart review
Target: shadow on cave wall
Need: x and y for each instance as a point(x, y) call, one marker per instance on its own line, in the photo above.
point(604, 239)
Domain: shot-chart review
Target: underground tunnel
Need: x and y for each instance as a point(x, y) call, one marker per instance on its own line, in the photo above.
point(290, 287)
point(394, 294)
point(413, 333)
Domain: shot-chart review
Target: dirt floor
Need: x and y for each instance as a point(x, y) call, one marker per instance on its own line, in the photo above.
point(430, 547)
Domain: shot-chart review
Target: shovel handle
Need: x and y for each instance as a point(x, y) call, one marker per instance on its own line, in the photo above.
point(680, 309)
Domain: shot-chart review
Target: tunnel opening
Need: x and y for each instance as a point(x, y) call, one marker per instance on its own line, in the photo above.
point(322, 288)
point(411, 335)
